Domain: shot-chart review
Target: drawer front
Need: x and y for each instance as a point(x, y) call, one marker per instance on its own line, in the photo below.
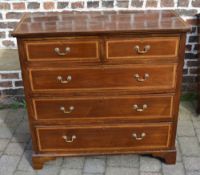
point(54, 50)
point(135, 137)
point(137, 78)
point(149, 48)
point(145, 107)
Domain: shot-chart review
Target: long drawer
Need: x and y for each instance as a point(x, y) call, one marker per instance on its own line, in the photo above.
point(144, 107)
point(134, 77)
point(94, 138)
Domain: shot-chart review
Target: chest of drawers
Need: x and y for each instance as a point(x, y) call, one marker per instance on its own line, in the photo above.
point(102, 82)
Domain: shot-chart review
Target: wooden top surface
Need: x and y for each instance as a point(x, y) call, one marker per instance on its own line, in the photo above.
point(84, 23)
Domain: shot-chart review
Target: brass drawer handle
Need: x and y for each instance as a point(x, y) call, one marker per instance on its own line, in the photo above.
point(68, 79)
point(144, 106)
point(57, 50)
point(145, 50)
point(141, 137)
point(71, 108)
point(69, 139)
point(138, 78)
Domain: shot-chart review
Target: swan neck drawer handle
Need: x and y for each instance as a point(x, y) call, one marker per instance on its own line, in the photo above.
point(71, 108)
point(57, 50)
point(140, 79)
point(145, 49)
point(68, 79)
point(136, 107)
point(141, 137)
point(69, 139)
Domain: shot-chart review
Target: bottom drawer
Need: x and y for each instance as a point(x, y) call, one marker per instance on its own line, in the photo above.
point(104, 138)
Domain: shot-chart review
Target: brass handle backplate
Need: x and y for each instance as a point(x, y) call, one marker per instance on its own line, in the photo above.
point(145, 49)
point(140, 79)
point(68, 79)
point(69, 139)
point(141, 137)
point(67, 50)
point(136, 107)
point(71, 108)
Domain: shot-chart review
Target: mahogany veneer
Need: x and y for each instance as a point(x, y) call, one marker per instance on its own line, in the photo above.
point(123, 47)
point(103, 138)
point(109, 77)
point(159, 106)
point(102, 82)
point(45, 50)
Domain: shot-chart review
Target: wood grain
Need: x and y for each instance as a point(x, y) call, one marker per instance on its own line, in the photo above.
point(44, 50)
point(109, 77)
point(125, 48)
point(158, 106)
point(50, 139)
point(100, 23)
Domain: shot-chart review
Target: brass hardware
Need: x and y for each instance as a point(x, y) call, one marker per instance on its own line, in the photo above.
point(57, 50)
point(141, 136)
point(138, 78)
point(69, 140)
point(68, 79)
point(71, 108)
point(144, 106)
point(145, 50)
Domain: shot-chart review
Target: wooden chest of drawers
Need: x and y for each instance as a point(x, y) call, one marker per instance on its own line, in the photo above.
point(102, 82)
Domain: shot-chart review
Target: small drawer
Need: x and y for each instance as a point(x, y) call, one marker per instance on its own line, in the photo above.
point(96, 138)
point(146, 107)
point(137, 48)
point(134, 77)
point(62, 49)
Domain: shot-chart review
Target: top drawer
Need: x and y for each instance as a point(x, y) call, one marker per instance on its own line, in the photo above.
point(148, 48)
point(62, 49)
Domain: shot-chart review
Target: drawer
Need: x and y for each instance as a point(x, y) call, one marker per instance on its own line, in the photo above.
point(133, 136)
point(62, 49)
point(144, 107)
point(134, 77)
point(136, 48)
